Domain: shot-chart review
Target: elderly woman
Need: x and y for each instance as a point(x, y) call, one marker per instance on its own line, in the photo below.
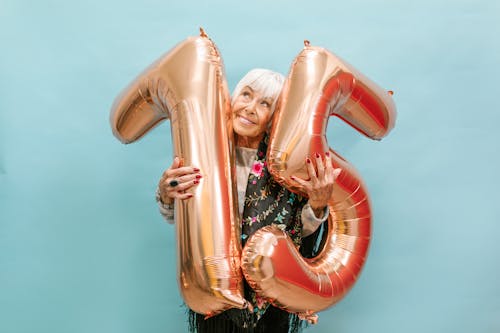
point(262, 201)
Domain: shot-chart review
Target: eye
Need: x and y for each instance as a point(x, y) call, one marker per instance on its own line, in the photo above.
point(266, 104)
point(245, 93)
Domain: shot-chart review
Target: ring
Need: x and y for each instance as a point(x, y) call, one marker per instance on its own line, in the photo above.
point(173, 183)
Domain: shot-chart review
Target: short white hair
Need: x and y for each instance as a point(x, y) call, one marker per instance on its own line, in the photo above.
point(265, 81)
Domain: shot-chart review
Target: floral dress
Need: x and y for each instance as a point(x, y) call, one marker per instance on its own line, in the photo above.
point(267, 202)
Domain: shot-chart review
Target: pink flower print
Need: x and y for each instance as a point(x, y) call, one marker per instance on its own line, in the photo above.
point(254, 182)
point(260, 154)
point(257, 168)
point(251, 220)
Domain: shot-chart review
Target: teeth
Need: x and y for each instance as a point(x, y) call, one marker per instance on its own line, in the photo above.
point(246, 121)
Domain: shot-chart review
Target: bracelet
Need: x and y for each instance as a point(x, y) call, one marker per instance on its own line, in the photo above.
point(159, 201)
point(166, 209)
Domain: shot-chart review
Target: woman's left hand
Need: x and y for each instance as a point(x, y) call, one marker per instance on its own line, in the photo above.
point(319, 187)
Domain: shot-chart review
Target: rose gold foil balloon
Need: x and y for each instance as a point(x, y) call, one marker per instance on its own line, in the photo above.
point(187, 86)
point(318, 86)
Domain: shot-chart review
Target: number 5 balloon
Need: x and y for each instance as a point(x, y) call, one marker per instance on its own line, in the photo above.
point(319, 85)
point(187, 86)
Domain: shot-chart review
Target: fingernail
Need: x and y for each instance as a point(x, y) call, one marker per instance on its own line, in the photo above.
point(196, 170)
point(317, 155)
point(308, 160)
point(190, 195)
point(327, 154)
point(292, 177)
point(196, 181)
point(198, 176)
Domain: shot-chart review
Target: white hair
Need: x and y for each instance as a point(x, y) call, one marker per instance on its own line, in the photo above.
point(265, 81)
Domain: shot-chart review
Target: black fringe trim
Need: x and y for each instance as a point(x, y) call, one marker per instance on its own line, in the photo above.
point(274, 320)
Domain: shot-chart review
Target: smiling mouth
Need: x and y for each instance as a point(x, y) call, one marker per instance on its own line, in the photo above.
point(245, 121)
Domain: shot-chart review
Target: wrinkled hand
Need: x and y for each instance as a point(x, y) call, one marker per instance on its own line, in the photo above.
point(186, 178)
point(319, 187)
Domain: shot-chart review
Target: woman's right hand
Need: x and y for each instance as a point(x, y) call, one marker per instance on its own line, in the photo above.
point(186, 178)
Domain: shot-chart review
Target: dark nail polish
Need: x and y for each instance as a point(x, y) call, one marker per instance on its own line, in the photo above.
point(196, 181)
point(292, 177)
point(317, 155)
point(198, 176)
point(196, 170)
point(327, 154)
point(308, 160)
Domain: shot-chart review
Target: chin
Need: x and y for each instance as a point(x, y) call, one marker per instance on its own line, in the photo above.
point(247, 131)
point(243, 132)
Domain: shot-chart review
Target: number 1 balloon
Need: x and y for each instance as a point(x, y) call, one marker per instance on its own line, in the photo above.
point(187, 86)
point(318, 86)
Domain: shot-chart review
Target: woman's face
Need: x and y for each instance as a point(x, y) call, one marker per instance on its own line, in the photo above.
point(251, 113)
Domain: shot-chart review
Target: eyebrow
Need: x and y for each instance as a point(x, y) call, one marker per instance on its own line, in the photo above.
point(268, 99)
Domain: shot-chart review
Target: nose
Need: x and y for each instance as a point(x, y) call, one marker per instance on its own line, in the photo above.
point(250, 107)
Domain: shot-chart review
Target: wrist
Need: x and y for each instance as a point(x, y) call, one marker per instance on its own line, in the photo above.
point(167, 200)
point(164, 200)
point(318, 208)
point(319, 211)
point(317, 205)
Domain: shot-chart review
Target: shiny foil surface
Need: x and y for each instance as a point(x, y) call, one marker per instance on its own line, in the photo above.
point(318, 86)
point(187, 85)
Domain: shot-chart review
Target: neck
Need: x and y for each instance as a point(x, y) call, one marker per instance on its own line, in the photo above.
point(248, 142)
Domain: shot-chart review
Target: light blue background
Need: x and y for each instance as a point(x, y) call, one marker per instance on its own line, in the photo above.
point(82, 246)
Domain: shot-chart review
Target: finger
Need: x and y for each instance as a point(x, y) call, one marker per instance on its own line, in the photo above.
point(171, 185)
point(320, 166)
point(176, 163)
point(188, 178)
point(304, 183)
point(180, 183)
point(336, 173)
point(184, 186)
point(329, 167)
point(181, 171)
point(311, 171)
point(183, 196)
